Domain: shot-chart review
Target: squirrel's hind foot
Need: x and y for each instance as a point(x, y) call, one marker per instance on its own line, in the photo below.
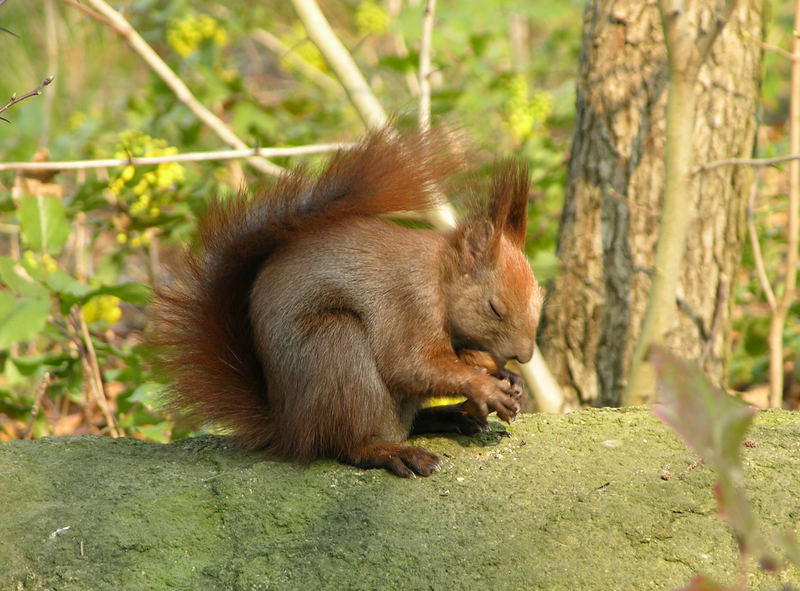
point(403, 460)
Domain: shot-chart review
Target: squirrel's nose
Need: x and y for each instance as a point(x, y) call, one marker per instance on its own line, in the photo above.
point(525, 352)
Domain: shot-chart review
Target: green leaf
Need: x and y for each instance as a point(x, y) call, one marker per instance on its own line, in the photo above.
point(158, 432)
point(17, 278)
point(28, 365)
point(478, 42)
point(148, 394)
point(137, 294)
point(43, 223)
point(24, 320)
point(399, 64)
point(21, 370)
point(63, 283)
point(713, 423)
point(7, 303)
point(12, 376)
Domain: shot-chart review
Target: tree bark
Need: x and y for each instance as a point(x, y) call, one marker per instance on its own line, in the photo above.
point(612, 209)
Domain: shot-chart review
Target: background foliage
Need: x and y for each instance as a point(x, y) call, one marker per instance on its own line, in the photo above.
point(80, 251)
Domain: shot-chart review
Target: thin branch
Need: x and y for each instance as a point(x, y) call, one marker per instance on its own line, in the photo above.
point(15, 99)
point(44, 382)
point(685, 56)
point(284, 52)
point(393, 8)
point(784, 302)
point(342, 64)
point(793, 226)
point(746, 162)
point(426, 44)
point(3, 28)
point(182, 92)
point(706, 40)
point(425, 65)
point(761, 270)
point(93, 372)
point(779, 50)
point(186, 157)
point(51, 43)
point(722, 296)
point(362, 97)
point(98, 17)
point(545, 389)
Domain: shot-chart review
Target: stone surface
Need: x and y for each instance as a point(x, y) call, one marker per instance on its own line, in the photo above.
point(574, 502)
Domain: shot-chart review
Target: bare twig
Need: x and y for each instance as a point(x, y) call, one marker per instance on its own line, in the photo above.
point(761, 270)
point(3, 28)
point(784, 302)
point(186, 157)
point(47, 378)
point(93, 372)
point(685, 56)
point(543, 386)
point(794, 172)
point(342, 64)
point(425, 65)
point(98, 17)
point(722, 295)
point(182, 92)
point(15, 99)
point(519, 39)
point(393, 8)
point(705, 40)
point(746, 162)
point(51, 43)
point(362, 97)
point(284, 52)
point(779, 50)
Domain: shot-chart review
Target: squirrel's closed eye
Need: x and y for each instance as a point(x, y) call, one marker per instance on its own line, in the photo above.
point(497, 308)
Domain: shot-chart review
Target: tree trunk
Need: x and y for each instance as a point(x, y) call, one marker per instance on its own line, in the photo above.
point(611, 215)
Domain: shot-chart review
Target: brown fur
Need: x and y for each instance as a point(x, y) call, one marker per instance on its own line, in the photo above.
point(311, 327)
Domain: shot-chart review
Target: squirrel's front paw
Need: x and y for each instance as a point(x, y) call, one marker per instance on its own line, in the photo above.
point(494, 395)
point(517, 384)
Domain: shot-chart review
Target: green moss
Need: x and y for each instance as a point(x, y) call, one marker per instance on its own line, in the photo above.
point(567, 502)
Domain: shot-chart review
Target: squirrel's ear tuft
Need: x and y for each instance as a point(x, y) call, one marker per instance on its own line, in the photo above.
point(508, 206)
point(476, 242)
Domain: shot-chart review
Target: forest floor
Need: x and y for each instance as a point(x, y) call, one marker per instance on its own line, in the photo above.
point(596, 499)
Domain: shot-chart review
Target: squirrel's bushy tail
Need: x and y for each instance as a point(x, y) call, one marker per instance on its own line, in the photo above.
point(202, 334)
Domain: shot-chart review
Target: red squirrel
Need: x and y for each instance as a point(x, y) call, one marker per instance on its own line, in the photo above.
point(309, 326)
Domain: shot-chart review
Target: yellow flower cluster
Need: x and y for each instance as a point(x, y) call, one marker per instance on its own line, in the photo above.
point(527, 115)
point(297, 39)
point(371, 18)
point(135, 239)
point(185, 35)
point(102, 307)
point(45, 261)
point(148, 188)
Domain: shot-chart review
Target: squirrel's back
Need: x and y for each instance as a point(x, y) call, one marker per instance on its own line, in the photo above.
point(203, 335)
